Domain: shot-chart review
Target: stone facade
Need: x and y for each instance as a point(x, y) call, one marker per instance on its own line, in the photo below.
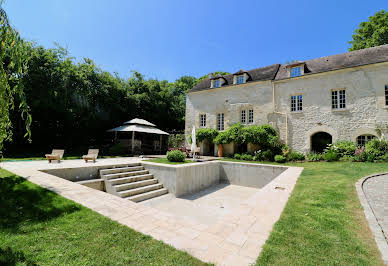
point(365, 111)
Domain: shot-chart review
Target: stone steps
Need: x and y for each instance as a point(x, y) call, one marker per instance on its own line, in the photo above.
point(131, 182)
point(148, 195)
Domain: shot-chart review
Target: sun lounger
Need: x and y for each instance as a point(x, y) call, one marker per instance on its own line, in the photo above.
point(92, 155)
point(55, 155)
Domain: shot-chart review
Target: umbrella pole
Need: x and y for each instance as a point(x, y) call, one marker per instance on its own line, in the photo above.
point(133, 141)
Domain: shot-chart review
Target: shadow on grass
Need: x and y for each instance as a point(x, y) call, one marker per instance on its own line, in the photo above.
point(23, 202)
point(10, 257)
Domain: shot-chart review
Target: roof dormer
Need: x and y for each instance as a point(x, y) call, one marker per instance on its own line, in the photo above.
point(296, 69)
point(240, 77)
point(218, 81)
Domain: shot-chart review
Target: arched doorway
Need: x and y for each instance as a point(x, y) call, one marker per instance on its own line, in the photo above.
point(320, 140)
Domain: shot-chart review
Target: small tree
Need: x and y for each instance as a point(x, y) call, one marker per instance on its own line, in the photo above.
point(13, 60)
point(373, 32)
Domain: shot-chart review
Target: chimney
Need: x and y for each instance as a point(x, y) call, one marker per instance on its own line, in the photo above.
point(210, 75)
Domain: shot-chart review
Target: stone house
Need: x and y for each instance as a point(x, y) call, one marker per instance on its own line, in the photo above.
point(310, 103)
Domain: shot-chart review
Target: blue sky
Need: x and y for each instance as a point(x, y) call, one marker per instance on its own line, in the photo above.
point(168, 39)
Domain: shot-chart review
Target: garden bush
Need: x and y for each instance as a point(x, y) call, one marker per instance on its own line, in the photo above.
point(268, 155)
point(280, 158)
point(314, 157)
point(246, 157)
point(295, 156)
point(376, 148)
point(344, 147)
point(237, 156)
point(360, 155)
point(258, 156)
point(176, 156)
point(330, 155)
point(177, 140)
point(206, 133)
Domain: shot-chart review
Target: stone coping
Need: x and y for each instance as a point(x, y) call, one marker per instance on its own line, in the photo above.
point(235, 239)
point(374, 225)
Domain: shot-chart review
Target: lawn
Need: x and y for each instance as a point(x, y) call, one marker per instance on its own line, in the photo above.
point(323, 222)
point(165, 161)
point(40, 227)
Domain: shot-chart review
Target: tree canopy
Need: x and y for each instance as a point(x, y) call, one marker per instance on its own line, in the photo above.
point(373, 32)
point(12, 68)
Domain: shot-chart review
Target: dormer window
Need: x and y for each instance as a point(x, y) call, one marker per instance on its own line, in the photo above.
point(296, 71)
point(217, 83)
point(240, 79)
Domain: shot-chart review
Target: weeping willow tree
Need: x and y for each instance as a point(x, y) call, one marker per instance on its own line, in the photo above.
point(13, 65)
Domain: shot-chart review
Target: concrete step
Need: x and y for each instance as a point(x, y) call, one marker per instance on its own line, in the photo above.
point(148, 195)
point(134, 167)
point(139, 190)
point(136, 184)
point(129, 179)
point(124, 174)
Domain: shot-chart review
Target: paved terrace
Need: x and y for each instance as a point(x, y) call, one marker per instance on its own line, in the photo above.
point(234, 235)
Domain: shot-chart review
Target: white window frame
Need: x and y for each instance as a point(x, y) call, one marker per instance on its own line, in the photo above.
point(243, 116)
point(250, 116)
point(299, 72)
point(363, 139)
point(297, 103)
point(240, 79)
point(217, 83)
point(220, 121)
point(202, 120)
point(338, 99)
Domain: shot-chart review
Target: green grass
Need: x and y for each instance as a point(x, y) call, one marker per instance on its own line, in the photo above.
point(323, 222)
point(40, 227)
point(165, 161)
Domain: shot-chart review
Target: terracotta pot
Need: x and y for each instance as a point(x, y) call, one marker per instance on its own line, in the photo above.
point(220, 150)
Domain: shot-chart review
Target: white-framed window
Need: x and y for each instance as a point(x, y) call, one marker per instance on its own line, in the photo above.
point(220, 121)
point(386, 95)
point(250, 116)
point(243, 116)
point(217, 83)
point(296, 103)
point(240, 79)
point(296, 71)
point(338, 99)
point(202, 120)
point(363, 139)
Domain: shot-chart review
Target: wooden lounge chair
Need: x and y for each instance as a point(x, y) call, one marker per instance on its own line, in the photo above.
point(55, 155)
point(92, 155)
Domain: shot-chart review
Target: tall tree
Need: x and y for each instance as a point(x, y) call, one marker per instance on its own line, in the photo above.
point(12, 68)
point(373, 32)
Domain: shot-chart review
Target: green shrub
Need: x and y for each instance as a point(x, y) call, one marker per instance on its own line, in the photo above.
point(246, 157)
point(176, 140)
point(206, 133)
point(280, 158)
point(233, 134)
point(118, 149)
point(295, 156)
point(258, 156)
point(383, 158)
point(344, 148)
point(376, 147)
point(314, 157)
point(268, 155)
point(360, 155)
point(176, 156)
point(331, 156)
point(264, 135)
point(237, 156)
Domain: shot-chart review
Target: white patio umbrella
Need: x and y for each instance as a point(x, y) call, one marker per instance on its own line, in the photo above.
point(193, 141)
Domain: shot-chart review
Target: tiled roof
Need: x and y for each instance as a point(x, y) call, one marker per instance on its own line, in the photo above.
point(362, 57)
